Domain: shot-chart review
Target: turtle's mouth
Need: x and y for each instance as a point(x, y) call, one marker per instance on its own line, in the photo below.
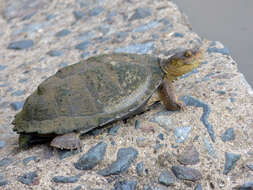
point(178, 66)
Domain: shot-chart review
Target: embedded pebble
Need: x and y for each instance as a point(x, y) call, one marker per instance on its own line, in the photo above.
point(18, 93)
point(139, 168)
point(2, 67)
point(228, 135)
point(90, 159)
point(55, 53)
point(2, 144)
point(64, 179)
point(209, 147)
point(250, 166)
point(20, 45)
point(3, 181)
point(223, 51)
point(189, 156)
point(230, 161)
point(137, 124)
point(125, 185)
point(145, 27)
point(62, 154)
point(220, 92)
point(62, 33)
point(181, 133)
point(17, 105)
point(163, 120)
point(198, 187)
point(28, 178)
point(82, 46)
point(96, 11)
point(186, 173)
point(140, 13)
point(29, 159)
point(245, 186)
point(5, 162)
point(84, 55)
point(113, 130)
point(125, 157)
point(160, 136)
point(78, 14)
point(190, 101)
point(166, 178)
point(136, 48)
point(178, 35)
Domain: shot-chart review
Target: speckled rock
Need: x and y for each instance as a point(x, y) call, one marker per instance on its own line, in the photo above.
point(28, 178)
point(166, 178)
point(231, 160)
point(186, 173)
point(125, 185)
point(189, 156)
point(92, 157)
point(125, 157)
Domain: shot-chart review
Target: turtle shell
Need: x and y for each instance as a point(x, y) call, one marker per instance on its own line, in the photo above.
point(89, 94)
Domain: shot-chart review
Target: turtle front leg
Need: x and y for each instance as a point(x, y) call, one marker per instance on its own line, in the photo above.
point(168, 96)
point(67, 141)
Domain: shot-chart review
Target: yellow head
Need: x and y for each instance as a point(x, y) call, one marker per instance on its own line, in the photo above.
point(183, 61)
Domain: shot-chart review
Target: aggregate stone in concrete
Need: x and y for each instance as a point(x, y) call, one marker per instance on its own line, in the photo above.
point(198, 187)
point(2, 144)
point(20, 45)
point(228, 135)
point(125, 157)
point(186, 173)
point(62, 33)
point(90, 159)
point(125, 185)
point(245, 186)
point(189, 156)
point(140, 13)
point(139, 168)
point(136, 48)
point(28, 178)
point(5, 161)
point(17, 105)
point(3, 181)
point(29, 159)
point(230, 161)
point(181, 133)
point(166, 178)
point(66, 179)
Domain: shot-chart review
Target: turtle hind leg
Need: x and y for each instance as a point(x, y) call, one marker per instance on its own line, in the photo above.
point(168, 96)
point(67, 141)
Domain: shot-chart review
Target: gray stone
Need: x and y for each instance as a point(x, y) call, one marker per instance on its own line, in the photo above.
point(189, 156)
point(181, 133)
point(2, 67)
point(63, 33)
point(31, 28)
point(178, 35)
point(220, 92)
point(28, 178)
point(2, 144)
point(65, 179)
point(209, 147)
point(125, 157)
point(18, 93)
point(160, 136)
point(228, 135)
point(250, 166)
point(198, 187)
point(186, 173)
point(78, 14)
point(50, 16)
point(17, 105)
point(5, 162)
point(223, 51)
point(190, 101)
point(137, 124)
point(136, 48)
point(86, 36)
point(230, 161)
point(90, 159)
point(3, 181)
point(125, 185)
point(62, 154)
point(20, 45)
point(113, 130)
point(96, 11)
point(55, 53)
point(83, 45)
point(29, 159)
point(145, 27)
point(166, 178)
point(246, 186)
point(139, 168)
point(140, 13)
point(84, 55)
point(162, 119)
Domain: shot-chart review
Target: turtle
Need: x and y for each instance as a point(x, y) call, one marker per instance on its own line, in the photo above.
point(98, 91)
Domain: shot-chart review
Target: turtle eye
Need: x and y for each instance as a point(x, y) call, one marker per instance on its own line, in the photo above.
point(188, 53)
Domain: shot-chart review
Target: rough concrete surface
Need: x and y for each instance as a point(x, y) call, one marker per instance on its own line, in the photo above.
point(64, 32)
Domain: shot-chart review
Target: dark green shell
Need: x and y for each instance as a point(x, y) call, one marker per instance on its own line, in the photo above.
point(89, 94)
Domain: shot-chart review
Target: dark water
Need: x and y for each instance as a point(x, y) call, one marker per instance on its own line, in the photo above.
point(227, 21)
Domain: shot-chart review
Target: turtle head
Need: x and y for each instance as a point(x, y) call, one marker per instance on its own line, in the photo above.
point(182, 61)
